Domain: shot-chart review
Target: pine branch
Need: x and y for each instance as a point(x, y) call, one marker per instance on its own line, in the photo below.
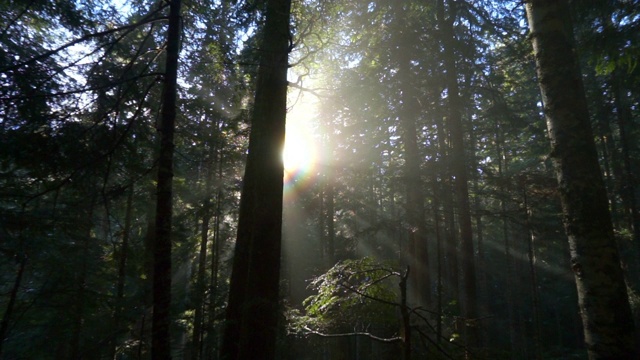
point(146, 20)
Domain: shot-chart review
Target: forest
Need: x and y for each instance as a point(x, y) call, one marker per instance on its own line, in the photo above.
point(319, 179)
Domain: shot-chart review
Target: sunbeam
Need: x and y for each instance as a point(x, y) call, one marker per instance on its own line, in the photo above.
point(300, 150)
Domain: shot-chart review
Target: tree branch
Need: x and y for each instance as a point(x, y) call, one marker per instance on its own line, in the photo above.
point(369, 335)
point(148, 19)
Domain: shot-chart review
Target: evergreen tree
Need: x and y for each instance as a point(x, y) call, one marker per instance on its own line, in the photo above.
point(603, 300)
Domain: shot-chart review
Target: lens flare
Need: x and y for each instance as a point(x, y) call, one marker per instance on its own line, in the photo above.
point(299, 155)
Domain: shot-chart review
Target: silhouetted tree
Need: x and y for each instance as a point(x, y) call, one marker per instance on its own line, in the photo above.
point(252, 314)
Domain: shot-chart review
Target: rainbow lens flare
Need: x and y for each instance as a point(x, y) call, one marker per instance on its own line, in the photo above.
point(299, 156)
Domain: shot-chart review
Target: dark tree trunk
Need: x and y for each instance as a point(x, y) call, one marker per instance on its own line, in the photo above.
point(406, 317)
point(122, 266)
point(459, 171)
point(160, 336)
point(408, 111)
point(483, 289)
point(533, 276)
point(81, 291)
point(509, 273)
point(439, 260)
point(628, 192)
point(608, 147)
point(200, 286)
point(216, 246)
point(602, 294)
point(198, 317)
point(13, 295)
point(252, 312)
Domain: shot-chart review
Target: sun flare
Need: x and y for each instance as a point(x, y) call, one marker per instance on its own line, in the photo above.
point(299, 154)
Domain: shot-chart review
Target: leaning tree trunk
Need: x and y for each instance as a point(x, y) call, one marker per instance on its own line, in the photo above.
point(160, 337)
point(252, 313)
point(602, 293)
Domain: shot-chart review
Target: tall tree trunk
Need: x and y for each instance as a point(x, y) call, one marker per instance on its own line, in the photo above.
point(459, 171)
point(122, 267)
point(414, 208)
point(483, 290)
point(439, 256)
point(216, 246)
point(252, 313)
point(198, 317)
point(628, 184)
point(160, 336)
point(408, 111)
point(533, 276)
point(81, 283)
point(406, 317)
point(445, 190)
point(509, 273)
point(608, 148)
point(602, 294)
point(199, 291)
point(13, 295)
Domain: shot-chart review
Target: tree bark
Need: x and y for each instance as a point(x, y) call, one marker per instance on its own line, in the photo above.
point(439, 256)
point(509, 273)
point(13, 295)
point(628, 189)
point(445, 191)
point(459, 171)
point(406, 317)
point(602, 294)
point(122, 266)
point(81, 291)
point(252, 313)
point(533, 276)
point(198, 317)
point(200, 286)
point(216, 246)
point(408, 111)
point(160, 335)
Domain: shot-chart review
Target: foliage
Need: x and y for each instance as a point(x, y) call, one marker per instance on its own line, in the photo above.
point(78, 133)
point(353, 295)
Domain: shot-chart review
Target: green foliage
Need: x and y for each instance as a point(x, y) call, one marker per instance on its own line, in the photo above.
point(353, 294)
point(80, 126)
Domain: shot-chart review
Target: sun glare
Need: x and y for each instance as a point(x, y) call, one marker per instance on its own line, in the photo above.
point(299, 155)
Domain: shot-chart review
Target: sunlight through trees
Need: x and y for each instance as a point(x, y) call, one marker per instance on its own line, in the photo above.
point(319, 179)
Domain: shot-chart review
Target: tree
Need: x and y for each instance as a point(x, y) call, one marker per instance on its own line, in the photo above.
point(160, 338)
point(358, 298)
point(252, 313)
point(459, 169)
point(602, 294)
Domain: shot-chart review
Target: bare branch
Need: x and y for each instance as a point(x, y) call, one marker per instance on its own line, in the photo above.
point(311, 91)
point(369, 335)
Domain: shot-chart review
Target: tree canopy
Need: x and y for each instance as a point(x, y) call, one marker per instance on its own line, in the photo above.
point(421, 207)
